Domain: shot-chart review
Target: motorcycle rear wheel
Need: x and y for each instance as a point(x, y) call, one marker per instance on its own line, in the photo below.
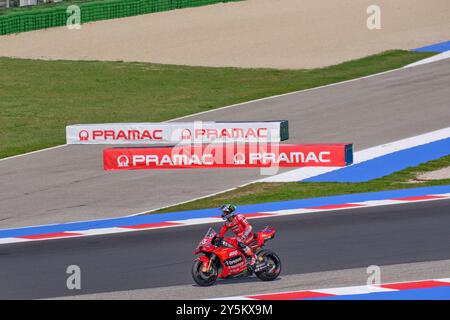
point(201, 278)
point(275, 269)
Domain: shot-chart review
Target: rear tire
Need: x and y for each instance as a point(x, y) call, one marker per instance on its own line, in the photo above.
point(275, 266)
point(201, 278)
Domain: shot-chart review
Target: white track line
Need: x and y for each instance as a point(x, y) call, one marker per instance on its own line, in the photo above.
point(304, 173)
point(228, 107)
point(363, 155)
point(33, 152)
point(190, 200)
point(441, 56)
point(306, 90)
point(287, 94)
point(219, 109)
point(339, 291)
point(353, 290)
point(247, 102)
point(210, 220)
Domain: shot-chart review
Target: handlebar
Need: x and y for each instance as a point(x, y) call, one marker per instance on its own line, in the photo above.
point(217, 241)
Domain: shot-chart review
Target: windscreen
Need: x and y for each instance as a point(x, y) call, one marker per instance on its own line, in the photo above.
point(208, 237)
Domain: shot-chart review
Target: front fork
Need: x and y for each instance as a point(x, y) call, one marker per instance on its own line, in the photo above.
point(207, 263)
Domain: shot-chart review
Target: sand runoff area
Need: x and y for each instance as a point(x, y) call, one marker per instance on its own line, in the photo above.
point(281, 34)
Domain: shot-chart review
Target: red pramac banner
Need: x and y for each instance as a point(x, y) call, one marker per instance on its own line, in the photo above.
point(229, 156)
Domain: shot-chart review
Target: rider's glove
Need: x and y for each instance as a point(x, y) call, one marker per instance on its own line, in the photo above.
point(218, 241)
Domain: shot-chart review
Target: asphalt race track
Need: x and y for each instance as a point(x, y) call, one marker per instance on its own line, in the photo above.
point(158, 258)
point(69, 184)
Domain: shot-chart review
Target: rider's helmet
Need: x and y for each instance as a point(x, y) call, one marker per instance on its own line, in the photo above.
point(228, 210)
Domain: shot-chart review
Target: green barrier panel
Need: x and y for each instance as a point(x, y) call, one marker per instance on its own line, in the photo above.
point(93, 11)
point(284, 130)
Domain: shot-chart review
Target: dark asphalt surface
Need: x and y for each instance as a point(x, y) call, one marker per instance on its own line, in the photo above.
point(69, 184)
point(158, 258)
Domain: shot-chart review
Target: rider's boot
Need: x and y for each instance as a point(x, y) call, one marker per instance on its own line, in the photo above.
point(252, 262)
point(251, 258)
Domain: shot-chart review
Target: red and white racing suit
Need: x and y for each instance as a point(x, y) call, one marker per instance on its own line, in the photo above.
point(243, 231)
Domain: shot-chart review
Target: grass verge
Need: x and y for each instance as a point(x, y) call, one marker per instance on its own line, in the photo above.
point(269, 192)
point(39, 98)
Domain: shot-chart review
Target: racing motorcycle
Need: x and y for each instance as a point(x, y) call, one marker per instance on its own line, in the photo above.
point(221, 262)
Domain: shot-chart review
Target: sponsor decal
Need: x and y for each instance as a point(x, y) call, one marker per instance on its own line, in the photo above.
point(261, 268)
point(239, 158)
point(234, 253)
point(233, 261)
point(177, 132)
point(232, 133)
point(127, 135)
point(83, 135)
point(228, 156)
point(123, 161)
point(186, 134)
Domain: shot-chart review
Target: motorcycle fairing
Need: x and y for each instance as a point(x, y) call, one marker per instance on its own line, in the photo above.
point(232, 260)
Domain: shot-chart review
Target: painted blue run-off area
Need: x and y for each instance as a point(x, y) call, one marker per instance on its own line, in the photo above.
point(438, 293)
point(205, 213)
point(387, 164)
point(438, 47)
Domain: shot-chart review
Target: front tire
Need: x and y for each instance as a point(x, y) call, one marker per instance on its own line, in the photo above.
point(201, 278)
point(274, 263)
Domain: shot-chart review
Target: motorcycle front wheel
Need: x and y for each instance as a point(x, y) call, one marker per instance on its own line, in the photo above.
point(274, 266)
point(201, 278)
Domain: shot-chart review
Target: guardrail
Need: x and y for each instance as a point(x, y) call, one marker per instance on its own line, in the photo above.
point(91, 11)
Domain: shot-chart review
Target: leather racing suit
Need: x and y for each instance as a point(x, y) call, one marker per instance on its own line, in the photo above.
point(243, 232)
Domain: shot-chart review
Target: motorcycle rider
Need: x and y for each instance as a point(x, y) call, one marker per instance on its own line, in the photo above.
point(243, 230)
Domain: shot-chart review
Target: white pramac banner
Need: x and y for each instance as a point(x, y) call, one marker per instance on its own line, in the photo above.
point(177, 132)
